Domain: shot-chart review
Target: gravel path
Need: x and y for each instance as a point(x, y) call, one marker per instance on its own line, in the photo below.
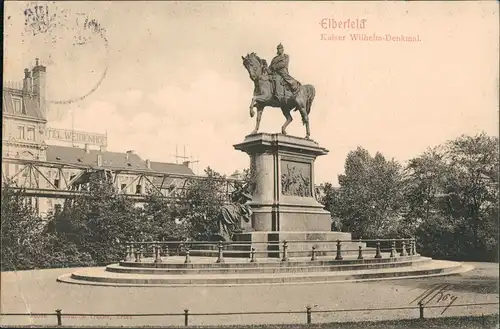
point(38, 291)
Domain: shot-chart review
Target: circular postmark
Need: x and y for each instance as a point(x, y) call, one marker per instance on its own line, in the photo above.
point(72, 45)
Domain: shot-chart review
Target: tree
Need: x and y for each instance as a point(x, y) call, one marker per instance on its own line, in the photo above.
point(205, 202)
point(371, 195)
point(164, 219)
point(424, 177)
point(452, 195)
point(99, 224)
point(472, 187)
point(331, 198)
point(24, 240)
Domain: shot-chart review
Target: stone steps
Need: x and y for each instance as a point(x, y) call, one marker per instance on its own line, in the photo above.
point(422, 268)
point(275, 268)
point(211, 262)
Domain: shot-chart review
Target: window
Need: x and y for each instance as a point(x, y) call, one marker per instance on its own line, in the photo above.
point(31, 133)
point(56, 183)
point(123, 187)
point(138, 189)
point(20, 132)
point(17, 105)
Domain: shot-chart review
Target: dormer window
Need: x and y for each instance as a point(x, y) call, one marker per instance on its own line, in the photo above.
point(18, 107)
point(79, 159)
point(58, 158)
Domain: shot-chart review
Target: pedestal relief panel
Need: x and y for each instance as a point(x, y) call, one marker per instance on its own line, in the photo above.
point(296, 179)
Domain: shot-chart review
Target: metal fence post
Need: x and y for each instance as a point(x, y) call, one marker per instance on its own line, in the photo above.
point(313, 253)
point(285, 252)
point(403, 249)
point(127, 252)
point(377, 251)
point(59, 317)
point(360, 252)
point(133, 252)
point(188, 259)
point(252, 256)
point(339, 252)
point(393, 249)
point(157, 253)
point(186, 315)
point(220, 259)
point(308, 313)
point(421, 309)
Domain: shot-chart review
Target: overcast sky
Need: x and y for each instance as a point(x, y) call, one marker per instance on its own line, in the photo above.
point(174, 74)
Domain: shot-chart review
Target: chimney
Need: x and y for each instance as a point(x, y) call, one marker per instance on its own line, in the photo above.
point(99, 160)
point(39, 84)
point(27, 83)
point(148, 163)
point(87, 148)
point(129, 153)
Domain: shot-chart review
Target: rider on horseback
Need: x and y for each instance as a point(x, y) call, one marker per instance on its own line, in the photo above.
point(279, 66)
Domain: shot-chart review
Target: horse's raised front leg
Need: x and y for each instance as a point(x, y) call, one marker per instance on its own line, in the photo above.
point(260, 109)
point(289, 119)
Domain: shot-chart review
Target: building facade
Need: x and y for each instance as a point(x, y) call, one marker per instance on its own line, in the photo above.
point(31, 158)
point(24, 116)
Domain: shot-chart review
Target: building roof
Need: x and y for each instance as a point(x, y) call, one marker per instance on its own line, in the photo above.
point(171, 168)
point(112, 160)
point(30, 103)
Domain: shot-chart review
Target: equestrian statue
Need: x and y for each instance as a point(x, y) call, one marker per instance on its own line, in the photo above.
point(273, 86)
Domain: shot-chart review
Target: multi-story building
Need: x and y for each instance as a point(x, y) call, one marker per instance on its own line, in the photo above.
point(24, 117)
point(30, 158)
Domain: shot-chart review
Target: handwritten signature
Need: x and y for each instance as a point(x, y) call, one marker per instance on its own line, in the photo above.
point(436, 293)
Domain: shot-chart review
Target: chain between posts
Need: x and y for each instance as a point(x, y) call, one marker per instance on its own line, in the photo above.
point(420, 306)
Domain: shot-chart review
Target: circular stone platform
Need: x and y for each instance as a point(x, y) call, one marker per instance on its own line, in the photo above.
point(205, 271)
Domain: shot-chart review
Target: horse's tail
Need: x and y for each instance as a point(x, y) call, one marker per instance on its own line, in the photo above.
point(311, 93)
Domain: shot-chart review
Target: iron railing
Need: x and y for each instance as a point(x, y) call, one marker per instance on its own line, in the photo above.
point(383, 248)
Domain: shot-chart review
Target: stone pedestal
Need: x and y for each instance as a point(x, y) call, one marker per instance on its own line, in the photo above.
point(283, 197)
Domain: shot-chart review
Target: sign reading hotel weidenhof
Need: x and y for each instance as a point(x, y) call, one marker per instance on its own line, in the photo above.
point(71, 136)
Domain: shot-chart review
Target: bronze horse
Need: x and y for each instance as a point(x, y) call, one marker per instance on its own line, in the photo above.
point(264, 95)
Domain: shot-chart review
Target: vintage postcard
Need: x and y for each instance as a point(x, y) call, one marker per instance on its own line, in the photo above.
point(274, 164)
